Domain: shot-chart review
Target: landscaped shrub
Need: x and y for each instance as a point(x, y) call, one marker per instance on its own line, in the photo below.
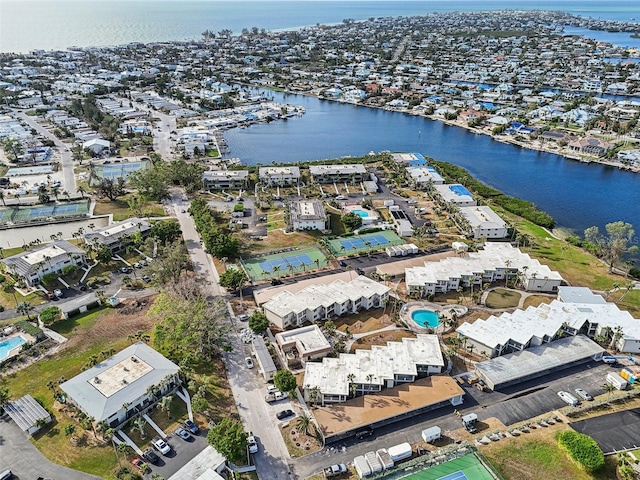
point(50, 315)
point(582, 449)
point(27, 327)
point(69, 269)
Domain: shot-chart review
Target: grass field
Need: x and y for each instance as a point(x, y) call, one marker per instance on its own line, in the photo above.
point(502, 298)
point(537, 456)
point(286, 263)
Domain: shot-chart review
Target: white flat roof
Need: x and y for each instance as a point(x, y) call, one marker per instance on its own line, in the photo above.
point(494, 256)
point(373, 366)
point(44, 254)
point(314, 296)
point(482, 216)
point(120, 375)
point(336, 169)
point(265, 294)
point(307, 339)
point(547, 320)
point(454, 194)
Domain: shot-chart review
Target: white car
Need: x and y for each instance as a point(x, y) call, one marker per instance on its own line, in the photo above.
point(58, 293)
point(160, 445)
point(568, 398)
point(583, 394)
point(249, 362)
point(253, 444)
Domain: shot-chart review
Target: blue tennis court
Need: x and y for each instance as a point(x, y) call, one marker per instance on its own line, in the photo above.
point(120, 170)
point(358, 243)
point(459, 475)
point(284, 262)
point(41, 211)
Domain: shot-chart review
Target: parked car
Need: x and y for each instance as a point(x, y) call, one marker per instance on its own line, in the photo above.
point(150, 456)
point(271, 389)
point(583, 394)
point(276, 281)
point(364, 433)
point(140, 465)
point(342, 263)
point(183, 434)
point(249, 362)
point(243, 318)
point(568, 398)
point(160, 445)
point(252, 443)
point(146, 279)
point(284, 414)
point(125, 270)
point(192, 427)
point(58, 293)
point(137, 265)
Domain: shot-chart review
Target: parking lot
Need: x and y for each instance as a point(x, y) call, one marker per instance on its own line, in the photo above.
point(181, 452)
point(613, 432)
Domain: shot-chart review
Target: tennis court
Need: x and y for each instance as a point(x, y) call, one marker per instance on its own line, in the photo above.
point(462, 468)
point(42, 212)
point(118, 170)
point(364, 243)
point(284, 263)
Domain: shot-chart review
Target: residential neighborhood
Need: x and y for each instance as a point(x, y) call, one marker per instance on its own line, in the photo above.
point(170, 312)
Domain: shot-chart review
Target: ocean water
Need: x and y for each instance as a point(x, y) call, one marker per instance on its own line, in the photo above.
point(57, 24)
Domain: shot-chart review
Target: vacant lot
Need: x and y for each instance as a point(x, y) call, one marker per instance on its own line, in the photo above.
point(502, 298)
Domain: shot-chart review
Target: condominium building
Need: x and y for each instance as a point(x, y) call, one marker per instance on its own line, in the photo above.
point(495, 262)
point(308, 215)
point(116, 235)
point(384, 366)
point(225, 179)
point(281, 176)
point(324, 301)
point(484, 222)
point(338, 173)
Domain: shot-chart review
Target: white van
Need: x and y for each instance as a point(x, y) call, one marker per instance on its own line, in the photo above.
point(6, 475)
point(568, 398)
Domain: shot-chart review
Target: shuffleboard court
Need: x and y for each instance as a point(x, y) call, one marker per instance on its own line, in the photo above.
point(468, 467)
point(284, 263)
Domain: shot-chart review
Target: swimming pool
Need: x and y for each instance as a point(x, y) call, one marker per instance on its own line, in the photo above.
point(426, 318)
point(361, 213)
point(7, 345)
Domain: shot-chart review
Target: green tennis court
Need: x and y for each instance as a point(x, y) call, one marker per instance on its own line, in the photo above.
point(368, 242)
point(462, 468)
point(43, 212)
point(285, 263)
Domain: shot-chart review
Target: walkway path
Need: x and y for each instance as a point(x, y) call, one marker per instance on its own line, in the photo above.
point(357, 336)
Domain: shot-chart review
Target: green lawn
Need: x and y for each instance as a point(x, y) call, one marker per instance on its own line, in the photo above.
point(502, 298)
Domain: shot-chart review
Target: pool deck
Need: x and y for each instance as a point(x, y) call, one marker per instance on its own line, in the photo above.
point(16, 350)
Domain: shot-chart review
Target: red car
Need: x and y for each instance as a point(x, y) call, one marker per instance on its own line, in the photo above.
point(140, 464)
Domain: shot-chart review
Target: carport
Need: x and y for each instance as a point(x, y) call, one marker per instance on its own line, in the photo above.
point(27, 413)
point(535, 362)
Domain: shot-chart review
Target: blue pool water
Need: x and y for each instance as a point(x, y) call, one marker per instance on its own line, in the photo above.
point(425, 318)
point(8, 345)
point(361, 213)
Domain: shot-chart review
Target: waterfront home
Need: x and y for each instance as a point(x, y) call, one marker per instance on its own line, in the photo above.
point(455, 194)
point(484, 222)
point(338, 173)
point(281, 176)
point(225, 179)
point(590, 146)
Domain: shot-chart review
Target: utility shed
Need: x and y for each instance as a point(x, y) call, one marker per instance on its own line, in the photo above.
point(26, 412)
point(513, 368)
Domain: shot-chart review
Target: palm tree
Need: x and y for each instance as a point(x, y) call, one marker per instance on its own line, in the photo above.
point(617, 335)
point(25, 308)
point(317, 263)
point(276, 269)
point(2, 198)
point(165, 405)
point(302, 423)
point(138, 426)
point(609, 388)
point(81, 190)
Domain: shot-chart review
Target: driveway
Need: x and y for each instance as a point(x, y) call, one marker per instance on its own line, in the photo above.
point(19, 455)
point(182, 452)
point(613, 432)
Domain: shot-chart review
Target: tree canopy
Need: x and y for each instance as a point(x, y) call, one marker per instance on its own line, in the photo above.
point(166, 231)
point(285, 381)
point(50, 315)
point(189, 324)
point(229, 438)
point(258, 322)
point(615, 245)
point(218, 241)
point(233, 278)
point(351, 221)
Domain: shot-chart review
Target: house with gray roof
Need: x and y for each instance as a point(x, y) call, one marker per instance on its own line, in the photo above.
point(120, 387)
point(115, 235)
point(31, 266)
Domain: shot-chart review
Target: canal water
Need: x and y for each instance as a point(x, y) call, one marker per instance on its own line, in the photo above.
point(577, 195)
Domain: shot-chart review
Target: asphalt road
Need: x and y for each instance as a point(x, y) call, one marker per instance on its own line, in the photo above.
point(66, 162)
point(613, 432)
point(20, 456)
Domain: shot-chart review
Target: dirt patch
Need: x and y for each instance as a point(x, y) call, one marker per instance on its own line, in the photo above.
point(364, 322)
point(126, 319)
point(535, 300)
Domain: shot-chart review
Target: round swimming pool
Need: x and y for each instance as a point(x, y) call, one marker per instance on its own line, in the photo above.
point(425, 318)
point(361, 213)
